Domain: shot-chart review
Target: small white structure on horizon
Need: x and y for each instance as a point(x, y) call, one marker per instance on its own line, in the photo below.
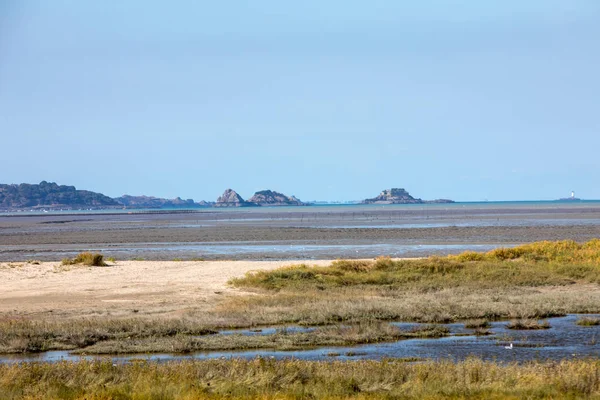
point(572, 194)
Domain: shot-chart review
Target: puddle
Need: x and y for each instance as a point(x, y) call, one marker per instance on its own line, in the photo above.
point(564, 340)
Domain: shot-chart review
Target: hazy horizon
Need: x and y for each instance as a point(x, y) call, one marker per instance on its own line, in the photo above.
point(338, 101)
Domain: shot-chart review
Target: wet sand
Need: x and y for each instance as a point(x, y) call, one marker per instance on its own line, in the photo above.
point(295, 233)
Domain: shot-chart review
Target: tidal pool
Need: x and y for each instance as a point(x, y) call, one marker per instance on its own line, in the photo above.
point(564, 340)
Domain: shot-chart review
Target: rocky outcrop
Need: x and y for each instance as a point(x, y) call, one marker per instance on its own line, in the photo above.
point(50, 195)
point(230, 198)
point(393, 196)
point(272, 198)
point(400, 196)
point(157, 202)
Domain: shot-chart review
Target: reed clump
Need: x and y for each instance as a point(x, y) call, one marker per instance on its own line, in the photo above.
point(86, 258)
point(477, 324)
point(527, 324)
point(588, 321)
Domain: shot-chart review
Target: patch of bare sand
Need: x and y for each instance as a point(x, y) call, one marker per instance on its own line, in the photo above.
point(123, 288)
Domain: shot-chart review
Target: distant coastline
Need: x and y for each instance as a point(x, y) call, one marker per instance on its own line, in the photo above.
point(51, 197)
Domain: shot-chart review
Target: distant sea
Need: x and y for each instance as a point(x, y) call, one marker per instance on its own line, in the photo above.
point(533, 204)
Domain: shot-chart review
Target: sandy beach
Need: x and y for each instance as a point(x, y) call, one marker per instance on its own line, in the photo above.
point(144, 288)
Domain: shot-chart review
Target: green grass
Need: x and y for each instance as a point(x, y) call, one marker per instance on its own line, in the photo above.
point(294, 379)
point(86, 258)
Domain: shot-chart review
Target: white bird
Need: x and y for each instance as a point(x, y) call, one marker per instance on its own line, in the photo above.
point(509, 346)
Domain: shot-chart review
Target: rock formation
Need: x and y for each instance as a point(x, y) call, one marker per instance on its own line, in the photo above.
point(271, 198)
point(400, 196)
point(230, 198)
point(393, 196)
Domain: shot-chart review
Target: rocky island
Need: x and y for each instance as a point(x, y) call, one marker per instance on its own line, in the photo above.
point(400, 196)
point(230, 198)
point(50, 195)
point(272, 198)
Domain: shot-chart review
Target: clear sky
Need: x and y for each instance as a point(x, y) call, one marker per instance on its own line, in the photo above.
point(326, 100)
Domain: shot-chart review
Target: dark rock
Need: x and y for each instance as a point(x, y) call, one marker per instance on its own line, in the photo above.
point(271, 198)
point(393, 196)
point(400, 196)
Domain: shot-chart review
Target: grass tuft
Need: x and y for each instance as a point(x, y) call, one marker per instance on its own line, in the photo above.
point(527, 324)
point(86, 258)
point(588, 321)
point(477, 324)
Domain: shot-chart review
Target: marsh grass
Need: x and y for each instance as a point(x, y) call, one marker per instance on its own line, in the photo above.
point(294, 379)
point(340, 335)
point(527, 324)
point(536, 281)
point(29, 336)
point(536, 264)
point(500, 284)
point(356, 304)
point(86, 258)
point(588, 321)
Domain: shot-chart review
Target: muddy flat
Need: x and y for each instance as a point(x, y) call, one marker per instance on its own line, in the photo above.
point(295, 232)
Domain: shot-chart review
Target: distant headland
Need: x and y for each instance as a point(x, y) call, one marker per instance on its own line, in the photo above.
point(51, 196)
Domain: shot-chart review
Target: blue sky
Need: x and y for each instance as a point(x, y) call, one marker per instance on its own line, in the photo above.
point(335, 100)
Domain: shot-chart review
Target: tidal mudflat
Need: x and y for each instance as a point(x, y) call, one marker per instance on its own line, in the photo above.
point(293, 233)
